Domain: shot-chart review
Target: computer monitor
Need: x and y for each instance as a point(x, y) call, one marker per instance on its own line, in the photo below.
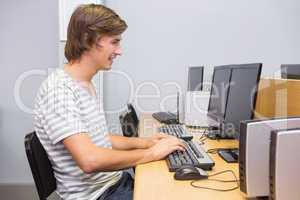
point(219, 92)
point(195, 78)
point(290, 71)
point(241, 98)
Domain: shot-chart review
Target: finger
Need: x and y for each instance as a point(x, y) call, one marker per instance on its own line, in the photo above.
point(180, 148)
point(178, 140)
point(174, 148)
point(182, 144)
point(177, 148)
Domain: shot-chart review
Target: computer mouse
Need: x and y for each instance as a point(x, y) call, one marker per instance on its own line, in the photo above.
point(189, 172)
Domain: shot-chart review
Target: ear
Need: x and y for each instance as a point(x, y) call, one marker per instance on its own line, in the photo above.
point(98, 45)
point(98, 42)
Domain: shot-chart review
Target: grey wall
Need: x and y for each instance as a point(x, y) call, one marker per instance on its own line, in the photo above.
point(165, 37)
point(28, 41)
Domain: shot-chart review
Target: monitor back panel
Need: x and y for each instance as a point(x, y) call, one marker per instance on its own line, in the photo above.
point(254, 154)
point(285, 165)
point(290, 71)
point(195, 78)
point(219, 92)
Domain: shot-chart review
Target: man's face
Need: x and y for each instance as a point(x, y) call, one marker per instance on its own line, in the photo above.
point(106, 50)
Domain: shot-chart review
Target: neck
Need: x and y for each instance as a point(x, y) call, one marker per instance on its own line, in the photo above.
point(82, 69)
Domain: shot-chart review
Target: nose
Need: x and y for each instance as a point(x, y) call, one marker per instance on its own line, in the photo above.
point(118, 51)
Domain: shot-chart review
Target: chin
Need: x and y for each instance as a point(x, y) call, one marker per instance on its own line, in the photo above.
point(108, 67)
point(105, 67)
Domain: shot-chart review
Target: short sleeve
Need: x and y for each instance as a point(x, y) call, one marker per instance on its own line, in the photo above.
point(61, 114)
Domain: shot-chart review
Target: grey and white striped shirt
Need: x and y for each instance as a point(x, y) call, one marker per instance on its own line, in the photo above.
point(64, 108)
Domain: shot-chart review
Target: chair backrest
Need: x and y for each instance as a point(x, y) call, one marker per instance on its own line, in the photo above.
point(40, 165)
point(129, 122)
point(132, 112)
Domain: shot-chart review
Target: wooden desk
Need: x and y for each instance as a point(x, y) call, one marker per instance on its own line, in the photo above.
point(153, 181)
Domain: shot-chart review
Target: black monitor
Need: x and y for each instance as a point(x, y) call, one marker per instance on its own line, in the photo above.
point(241, 98)
point(219, 92)
point(195, 78)
point(290, 71)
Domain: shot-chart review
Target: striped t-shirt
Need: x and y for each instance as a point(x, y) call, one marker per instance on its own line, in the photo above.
point(63, 108)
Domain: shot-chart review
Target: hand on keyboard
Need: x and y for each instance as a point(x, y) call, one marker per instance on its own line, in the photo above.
point(151, 141)
point(165, 146)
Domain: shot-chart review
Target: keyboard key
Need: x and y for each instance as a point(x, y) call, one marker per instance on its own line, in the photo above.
point(195, 150)
point(176, 130)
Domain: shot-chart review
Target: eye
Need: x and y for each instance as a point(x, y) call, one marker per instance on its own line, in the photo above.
point(116, 42)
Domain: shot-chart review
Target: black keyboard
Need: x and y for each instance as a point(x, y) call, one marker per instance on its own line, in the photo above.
point(176, 130)
point(165, 117)
point(194, 155)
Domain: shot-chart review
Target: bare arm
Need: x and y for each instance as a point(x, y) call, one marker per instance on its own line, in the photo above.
point(91, 158)
point(127, 143)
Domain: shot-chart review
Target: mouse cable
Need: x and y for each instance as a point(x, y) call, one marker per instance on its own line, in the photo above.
point(222, 172)
point(203, 137)
point(213, 151)
point(218, 180)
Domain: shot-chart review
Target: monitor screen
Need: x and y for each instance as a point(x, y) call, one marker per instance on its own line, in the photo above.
point(241, 97)
point(219, 92)
point(195, 78)
point(290, 71)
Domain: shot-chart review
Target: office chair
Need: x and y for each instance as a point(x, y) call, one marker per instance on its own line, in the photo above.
point(40, 165)
point(129, 122)
point(133, 113)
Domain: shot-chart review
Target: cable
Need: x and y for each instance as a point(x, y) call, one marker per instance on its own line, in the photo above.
point(203, 137)
point(213, 151)
point(202, 142)
point(219, 180)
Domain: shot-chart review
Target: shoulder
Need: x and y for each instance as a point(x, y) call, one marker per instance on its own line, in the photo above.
point(58, 82)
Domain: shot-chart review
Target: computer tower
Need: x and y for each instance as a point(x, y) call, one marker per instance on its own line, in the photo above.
point(254, 147)
point(195, 112)
point(285, 165)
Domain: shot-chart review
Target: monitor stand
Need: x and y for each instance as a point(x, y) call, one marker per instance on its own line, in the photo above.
point(214, 134)
point(217, 134)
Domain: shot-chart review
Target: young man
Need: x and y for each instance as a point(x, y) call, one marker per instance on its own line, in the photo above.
point(70, 121)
